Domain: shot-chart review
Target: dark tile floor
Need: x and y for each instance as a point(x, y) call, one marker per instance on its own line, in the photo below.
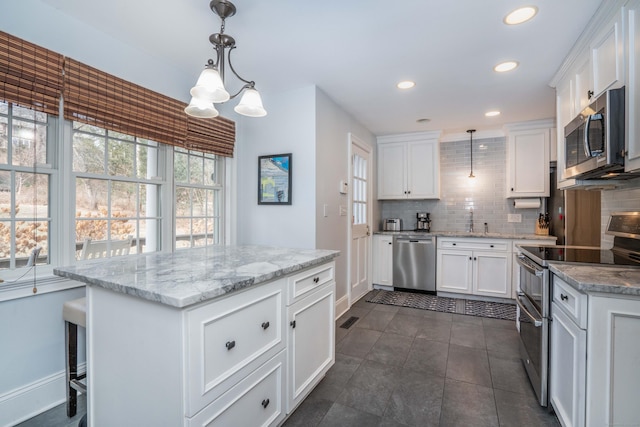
point(408, 367)
point(401, 366)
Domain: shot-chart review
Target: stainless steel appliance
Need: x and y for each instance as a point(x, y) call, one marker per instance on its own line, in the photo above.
point(424, 222)
point(392, 224)
point(594, 141)
point(414, 263)
point(534, 289)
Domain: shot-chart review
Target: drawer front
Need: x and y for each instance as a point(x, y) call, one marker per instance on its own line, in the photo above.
point(230, 338)
point(306, 281)
point(258, 400)
point(475, 244)
point(571, 301)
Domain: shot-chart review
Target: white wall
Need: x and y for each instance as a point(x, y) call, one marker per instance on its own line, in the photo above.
point(289, 127)
point(333, 126)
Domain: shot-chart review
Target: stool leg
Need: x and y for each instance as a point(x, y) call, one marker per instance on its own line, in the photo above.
point(71, 353)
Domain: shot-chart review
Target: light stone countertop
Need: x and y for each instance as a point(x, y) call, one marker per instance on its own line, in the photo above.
point(513, 236)
point(598, 278)
point(189, 276)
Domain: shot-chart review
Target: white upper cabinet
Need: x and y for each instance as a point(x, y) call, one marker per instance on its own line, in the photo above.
point(632, 159)
point(607, 57)
point(409, 166)
point(528, 159)
point(582, 88)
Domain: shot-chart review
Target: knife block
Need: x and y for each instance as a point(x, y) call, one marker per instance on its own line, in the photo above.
point(541, 231)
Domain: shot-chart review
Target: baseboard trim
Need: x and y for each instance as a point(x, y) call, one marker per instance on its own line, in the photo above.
point(342, 305)
point(32, 399)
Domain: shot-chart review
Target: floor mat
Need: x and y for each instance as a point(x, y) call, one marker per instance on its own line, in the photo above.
point(494, 310)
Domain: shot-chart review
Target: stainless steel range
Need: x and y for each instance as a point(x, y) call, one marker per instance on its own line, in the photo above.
point(534, 289)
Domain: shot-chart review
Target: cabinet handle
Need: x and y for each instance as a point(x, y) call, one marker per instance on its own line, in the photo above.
point(563, 297)
point(469, 258)
point(293, 324)
point(391, 243)
point(230, 345)
point(475, 259)
point(589, 94)
point(453, 244)
point(265, 403)
point(316, 279)
point(408, 192)
point(265, 325)
point(490, 246)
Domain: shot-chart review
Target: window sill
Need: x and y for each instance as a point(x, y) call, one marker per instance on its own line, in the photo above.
point(45, 284)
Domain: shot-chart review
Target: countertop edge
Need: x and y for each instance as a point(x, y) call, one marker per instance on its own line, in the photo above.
point(464, 234)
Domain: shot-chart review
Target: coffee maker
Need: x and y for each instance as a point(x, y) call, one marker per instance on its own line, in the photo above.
point(424, 222)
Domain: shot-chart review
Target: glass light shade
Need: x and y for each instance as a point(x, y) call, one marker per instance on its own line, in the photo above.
point(210, 87)
point(251, 104)
point(201, 108)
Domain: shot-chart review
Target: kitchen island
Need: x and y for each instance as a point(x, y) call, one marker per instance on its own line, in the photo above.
point(227, 335)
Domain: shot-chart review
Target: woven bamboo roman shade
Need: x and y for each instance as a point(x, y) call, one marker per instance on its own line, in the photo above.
point(30, 75)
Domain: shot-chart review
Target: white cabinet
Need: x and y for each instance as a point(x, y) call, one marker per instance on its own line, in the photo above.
point(528, 159)
point(607, 57)
point(383, 260)
point(311, 323)
point(409, 166)
point(582, 87)
point(632, 158)
point(474, 266)
point(568, 364)
point(603, 388)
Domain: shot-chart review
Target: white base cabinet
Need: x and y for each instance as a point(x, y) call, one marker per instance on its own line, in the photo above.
point(234, 361)
point(594, 375)
point(474, 266)
point(383, 260)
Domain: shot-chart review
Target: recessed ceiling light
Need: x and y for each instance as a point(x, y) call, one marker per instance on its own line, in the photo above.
point(505, 66)
point(406, 84)
point(423, 120)
point(492, 113)
point(520, 15)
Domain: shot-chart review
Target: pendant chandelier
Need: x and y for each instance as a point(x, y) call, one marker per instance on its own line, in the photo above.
point(209, 89)
point(470, 132)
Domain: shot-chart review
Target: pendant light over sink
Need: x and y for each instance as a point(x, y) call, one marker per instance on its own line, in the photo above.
point(210, 86)
point(471, 131)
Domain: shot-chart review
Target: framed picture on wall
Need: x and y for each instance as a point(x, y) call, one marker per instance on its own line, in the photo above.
point(274, 179)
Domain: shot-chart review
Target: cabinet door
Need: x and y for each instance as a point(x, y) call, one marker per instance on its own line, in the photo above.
point(582, 87)
point(311, 342)
point(567, 387)
point(382, 260)
point(632, 160)
point(529, 163)
point(391, 171)
point(423, 170)
point(607, 58)
point(454, 271)
point(492, 274)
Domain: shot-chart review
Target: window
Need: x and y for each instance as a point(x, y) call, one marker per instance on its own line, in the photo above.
point(198, 198)
point(116, 188)
point(25, 179)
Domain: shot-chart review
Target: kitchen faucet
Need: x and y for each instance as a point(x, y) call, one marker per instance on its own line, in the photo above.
point(470, 220)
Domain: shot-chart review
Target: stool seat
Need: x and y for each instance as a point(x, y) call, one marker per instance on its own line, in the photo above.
point(75, 311)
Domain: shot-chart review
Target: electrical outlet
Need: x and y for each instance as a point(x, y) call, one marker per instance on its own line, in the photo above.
point(514, 218)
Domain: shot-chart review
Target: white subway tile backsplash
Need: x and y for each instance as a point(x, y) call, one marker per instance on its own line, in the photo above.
point(485, 194)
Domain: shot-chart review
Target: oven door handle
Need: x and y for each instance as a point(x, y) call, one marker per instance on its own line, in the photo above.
point(522, 261)
point(537, 323)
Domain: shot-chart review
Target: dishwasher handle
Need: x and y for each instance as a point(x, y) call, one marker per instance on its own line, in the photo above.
point(422, 241)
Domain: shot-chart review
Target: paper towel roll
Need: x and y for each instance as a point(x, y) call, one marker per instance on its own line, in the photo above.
point(526, 203)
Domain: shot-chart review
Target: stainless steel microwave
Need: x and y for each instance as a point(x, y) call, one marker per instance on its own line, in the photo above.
point(594, 141)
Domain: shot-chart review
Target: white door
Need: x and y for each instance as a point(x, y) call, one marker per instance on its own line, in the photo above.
point(360, 221)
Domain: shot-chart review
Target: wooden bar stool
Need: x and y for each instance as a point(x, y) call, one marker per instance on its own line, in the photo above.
point(74, 313)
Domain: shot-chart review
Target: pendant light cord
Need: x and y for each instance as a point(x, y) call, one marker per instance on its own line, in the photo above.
point(471, 131)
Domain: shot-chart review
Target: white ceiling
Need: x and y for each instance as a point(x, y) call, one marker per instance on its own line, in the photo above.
point(357, 50)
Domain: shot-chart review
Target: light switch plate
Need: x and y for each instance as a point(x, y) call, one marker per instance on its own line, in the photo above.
point(343, 210)
point(514, 218)
point(325, 210)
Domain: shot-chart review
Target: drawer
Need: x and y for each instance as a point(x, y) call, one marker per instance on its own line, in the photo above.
point(258, 400)
point(475, 244)
point(229, 338)
point(306, 281)
point(571, 301)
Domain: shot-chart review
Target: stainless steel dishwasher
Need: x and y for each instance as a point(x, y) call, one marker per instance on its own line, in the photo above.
point(414, 263)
